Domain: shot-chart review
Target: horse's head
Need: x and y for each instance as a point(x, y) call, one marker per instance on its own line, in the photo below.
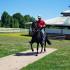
point(36, 32)
point(34, 27)
point(34, 24)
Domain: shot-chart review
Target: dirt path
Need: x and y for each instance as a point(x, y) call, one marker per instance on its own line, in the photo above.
point(19, 60)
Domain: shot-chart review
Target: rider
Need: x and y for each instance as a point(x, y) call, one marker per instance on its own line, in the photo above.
point(41, 25)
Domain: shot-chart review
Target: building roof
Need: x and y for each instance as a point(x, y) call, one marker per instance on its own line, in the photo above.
point(63, 21)
point(67, 11)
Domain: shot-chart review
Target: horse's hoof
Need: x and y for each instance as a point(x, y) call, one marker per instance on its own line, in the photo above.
point(36, 55)
point(32, 50)
point(44, 50)
point(41, 51)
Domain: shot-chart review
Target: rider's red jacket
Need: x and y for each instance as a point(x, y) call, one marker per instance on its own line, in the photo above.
point(41, 24)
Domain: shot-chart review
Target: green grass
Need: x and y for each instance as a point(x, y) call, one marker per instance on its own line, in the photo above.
point(58, 60)
point(11, 43)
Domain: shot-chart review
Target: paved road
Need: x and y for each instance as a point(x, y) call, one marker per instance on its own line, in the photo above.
point(19, 60)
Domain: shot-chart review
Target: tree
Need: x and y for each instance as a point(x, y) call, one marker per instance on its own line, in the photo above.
point(14, 23)
point(27, 18)
point(20, 19)
point(0, 23)
point(5, 18)
point(32, 19)
point(17, 20)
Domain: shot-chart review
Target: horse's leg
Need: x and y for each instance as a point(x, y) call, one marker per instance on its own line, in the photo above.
point(41, 47)
point(44, 47)
point(31, 46)
point(45, 42)
point(37, 48)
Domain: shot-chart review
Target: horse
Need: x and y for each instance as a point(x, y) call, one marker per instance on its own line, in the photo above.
point(37, 38)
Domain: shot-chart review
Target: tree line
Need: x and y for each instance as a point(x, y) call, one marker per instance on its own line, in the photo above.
point(17, 20)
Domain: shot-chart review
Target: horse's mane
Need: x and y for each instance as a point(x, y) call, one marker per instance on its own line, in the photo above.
point(34, 24)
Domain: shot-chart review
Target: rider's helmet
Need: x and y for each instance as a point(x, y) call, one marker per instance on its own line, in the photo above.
point(39, 17)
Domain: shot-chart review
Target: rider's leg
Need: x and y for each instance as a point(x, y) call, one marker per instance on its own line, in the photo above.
point(43, 35)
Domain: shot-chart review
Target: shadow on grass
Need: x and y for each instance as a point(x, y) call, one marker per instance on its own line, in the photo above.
point(25, 35)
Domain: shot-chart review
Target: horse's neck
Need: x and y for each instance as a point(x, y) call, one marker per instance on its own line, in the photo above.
point(34, 25)
point(38, 34)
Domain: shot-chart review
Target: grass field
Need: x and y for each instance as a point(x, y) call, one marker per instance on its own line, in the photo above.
point(11, 43)
point(59, 60)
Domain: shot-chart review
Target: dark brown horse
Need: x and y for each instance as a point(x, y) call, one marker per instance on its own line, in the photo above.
point(37, 38)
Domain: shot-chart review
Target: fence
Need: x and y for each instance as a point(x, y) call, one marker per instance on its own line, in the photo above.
point(58, 31)
point(13, 30)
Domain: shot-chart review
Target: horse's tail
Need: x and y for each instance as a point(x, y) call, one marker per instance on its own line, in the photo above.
point(48, 41)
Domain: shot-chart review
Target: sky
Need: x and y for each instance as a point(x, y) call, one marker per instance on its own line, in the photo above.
point(47, 9)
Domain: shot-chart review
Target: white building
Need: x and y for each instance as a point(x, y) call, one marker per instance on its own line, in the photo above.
point(63, 22)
